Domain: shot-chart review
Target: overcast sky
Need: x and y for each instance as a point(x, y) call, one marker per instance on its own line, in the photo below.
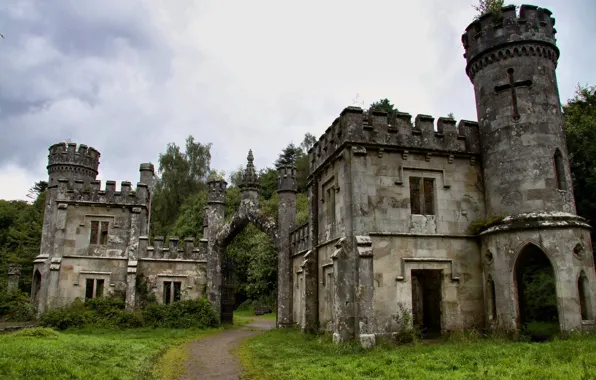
point(129, 76)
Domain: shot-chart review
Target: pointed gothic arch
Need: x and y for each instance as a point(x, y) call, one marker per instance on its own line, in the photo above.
point(492, 299)
point(220, 279)
point(36, 287)
point(585, 298)
point(534, 276)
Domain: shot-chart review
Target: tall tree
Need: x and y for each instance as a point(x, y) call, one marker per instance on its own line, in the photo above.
point(308, 142)
point(182, 174)
point(384, 105)
point(289, 155)
point(37, 188)
point(579, 115)
point(20, 234)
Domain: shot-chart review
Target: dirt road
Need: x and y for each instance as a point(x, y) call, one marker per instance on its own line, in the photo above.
point(212, 357)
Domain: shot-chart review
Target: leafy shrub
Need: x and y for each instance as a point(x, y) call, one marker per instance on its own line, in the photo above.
point(110, 312)
point(106, 306)
point(183, 314)
point(38, 332)
point(73, 315)
point(16, 306)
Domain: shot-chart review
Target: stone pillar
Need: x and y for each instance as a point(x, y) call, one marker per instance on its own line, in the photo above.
point(343, 302)
point(366, 290)
point(310, 267)
point(14, 275)
point(216, 201)
point(53, 290)
point(345, 259)
point(53, 295)
point(131, 285)
point(311, 297)
point(147, 177)
point(286, 216)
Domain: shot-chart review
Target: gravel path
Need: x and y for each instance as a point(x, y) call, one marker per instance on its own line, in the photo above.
point(211, 357)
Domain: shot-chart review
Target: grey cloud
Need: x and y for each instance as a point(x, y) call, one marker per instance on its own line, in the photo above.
point(57, 58)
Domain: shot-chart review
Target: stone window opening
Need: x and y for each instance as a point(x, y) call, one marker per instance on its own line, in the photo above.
point(171, 291)
point(584, 297)
point(560, 170)
point(99, 233)
point(492, 301)
point(422, 196)
point(330, 205)
point(94, 288)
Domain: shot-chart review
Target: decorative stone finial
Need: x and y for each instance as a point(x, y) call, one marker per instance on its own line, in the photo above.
point(250, 180)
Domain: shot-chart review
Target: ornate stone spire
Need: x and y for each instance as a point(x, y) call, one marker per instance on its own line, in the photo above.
point(250, 181)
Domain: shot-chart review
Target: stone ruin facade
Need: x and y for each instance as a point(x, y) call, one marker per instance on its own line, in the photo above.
point(431, 218)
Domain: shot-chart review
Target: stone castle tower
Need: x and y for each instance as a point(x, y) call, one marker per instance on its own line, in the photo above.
point(511, 61)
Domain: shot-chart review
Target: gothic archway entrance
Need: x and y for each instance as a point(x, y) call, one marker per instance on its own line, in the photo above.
point(536, 293)
point(247, 214)
point(221, 285)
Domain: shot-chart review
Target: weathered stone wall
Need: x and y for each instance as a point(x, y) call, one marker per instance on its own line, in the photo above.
point(78, 230)
point(73, 273)
point(191, 273)
point(297, 290)
point(395, 256)
point(381, 191)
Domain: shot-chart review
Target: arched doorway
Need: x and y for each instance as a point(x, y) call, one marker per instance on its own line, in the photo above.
point(538, 315)
point(220, 278)
point(585, 300)
point(247, 214)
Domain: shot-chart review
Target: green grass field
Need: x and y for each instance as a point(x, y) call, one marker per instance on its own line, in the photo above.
point(93, 354)
point(292, 355)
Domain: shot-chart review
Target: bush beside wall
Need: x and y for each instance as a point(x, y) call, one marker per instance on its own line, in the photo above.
point(110, 312)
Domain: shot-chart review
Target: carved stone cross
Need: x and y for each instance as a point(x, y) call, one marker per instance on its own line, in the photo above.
point(511, 86)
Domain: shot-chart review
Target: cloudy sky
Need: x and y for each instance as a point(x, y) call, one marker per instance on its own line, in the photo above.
point(129, 76)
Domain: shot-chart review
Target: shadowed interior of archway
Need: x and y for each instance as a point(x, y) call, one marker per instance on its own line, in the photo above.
point(536, 294)
point(229, 272)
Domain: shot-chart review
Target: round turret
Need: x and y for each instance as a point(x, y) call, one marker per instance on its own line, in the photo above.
point(511, 62)
point(65, 161)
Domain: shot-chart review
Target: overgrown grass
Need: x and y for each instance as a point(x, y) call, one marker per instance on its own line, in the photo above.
point(243, 317)
point(92, 353)
point(283, 354)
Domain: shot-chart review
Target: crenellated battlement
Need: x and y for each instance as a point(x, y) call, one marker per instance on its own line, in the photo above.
point(496, 37)
point(217, 191)
point(373, 128)
point(174, 250)
point(287, 178)
point(66, 157)
point(299, 240)
point(92, 193)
